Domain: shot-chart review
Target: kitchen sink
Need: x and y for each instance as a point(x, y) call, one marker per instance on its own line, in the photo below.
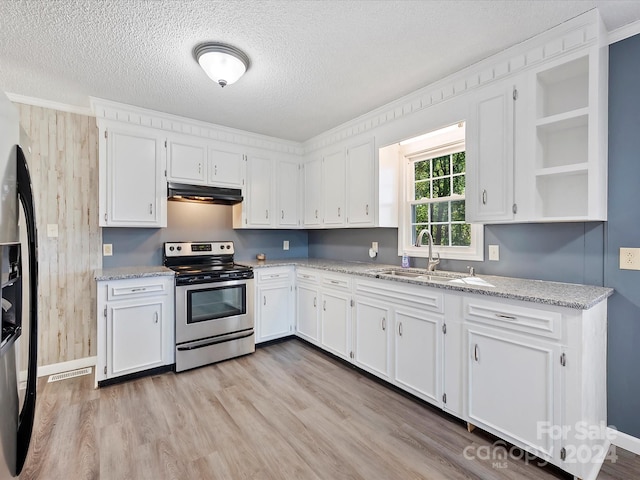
point(437, 276)
point(422, 274)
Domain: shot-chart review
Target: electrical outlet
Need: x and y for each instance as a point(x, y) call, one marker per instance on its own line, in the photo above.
point(285, 244)
point(494, 252)
point(374, 246)
point(52, 230)
point(107, 249)
point(629, 258)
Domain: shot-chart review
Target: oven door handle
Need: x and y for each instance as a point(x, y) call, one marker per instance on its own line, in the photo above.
point(216, 340)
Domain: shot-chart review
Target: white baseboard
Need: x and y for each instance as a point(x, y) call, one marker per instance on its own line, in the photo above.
point(624, 440)
point(46, 370)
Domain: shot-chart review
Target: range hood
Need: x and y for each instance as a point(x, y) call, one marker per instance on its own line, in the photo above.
point(204, 194)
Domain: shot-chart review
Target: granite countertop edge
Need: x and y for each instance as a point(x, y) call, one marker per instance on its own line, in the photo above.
point(570, 295)
point(124, 273)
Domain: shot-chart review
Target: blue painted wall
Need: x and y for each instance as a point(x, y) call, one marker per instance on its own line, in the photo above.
point(623, 230)
point(197, 222)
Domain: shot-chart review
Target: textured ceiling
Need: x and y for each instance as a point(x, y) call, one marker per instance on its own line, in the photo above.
point(314, 64)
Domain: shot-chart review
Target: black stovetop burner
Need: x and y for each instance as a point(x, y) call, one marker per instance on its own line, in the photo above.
point(203, 262)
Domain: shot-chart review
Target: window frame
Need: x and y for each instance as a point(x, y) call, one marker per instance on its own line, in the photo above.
point(475, 251)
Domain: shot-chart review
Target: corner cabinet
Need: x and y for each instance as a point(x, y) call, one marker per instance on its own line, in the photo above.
point(274, 303)
point(135, 325)
point(132, 180)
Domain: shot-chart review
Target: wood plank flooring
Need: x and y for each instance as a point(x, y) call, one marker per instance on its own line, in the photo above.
point(285, 412)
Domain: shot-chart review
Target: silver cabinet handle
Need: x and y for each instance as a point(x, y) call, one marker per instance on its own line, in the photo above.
point(282, 215)
point(267, 214)
point(264, 300)
point(139, 289)
point(384, 324)
point(324, 305)
point(316, 213)
point(400, 328)
point(335, 282)
point(506, 317)
point(215, 170)
point(315, 302)
point(151, 208)
point(484, 197)
point(338, 211)
point(156, 318)
point(476, 352)
point(366, 209)
point(199, 168)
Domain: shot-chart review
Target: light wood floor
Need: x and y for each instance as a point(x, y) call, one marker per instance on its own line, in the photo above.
point(285, 412)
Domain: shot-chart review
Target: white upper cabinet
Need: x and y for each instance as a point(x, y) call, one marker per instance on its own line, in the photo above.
point(312, 190)
point(287, 194)
point(489, 147)
point(259, 191)
point(271, 194)
point(334, 188)
point(133, 187)
point(360, 184)
point(226, 168)
point(187, 162)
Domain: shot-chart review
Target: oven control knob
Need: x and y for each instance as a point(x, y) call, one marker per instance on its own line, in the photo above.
point(228, 247)
point(171, 249)
point(179, 247)
point(221, 247)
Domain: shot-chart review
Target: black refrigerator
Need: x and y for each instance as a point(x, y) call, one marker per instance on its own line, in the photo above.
point(16, 418)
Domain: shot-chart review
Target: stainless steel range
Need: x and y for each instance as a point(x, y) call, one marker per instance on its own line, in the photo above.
point(214, 303)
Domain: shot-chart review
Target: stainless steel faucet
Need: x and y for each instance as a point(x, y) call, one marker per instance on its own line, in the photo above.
point(432, 263)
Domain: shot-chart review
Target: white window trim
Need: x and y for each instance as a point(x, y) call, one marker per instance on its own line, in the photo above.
point(475, 251)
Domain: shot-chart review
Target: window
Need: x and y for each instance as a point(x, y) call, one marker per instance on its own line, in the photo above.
point(434, 196)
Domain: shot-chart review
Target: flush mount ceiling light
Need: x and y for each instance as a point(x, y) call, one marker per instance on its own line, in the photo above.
point(223, 64)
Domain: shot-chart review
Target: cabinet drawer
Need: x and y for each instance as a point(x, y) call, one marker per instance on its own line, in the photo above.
point(308, 276)
point(399, 292)
point(274, 274)
point(139, 287)
point(513, 316)
point(340, 282)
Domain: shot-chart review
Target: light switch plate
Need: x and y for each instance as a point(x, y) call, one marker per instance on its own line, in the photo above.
point(52, 230)
point(374, 246)
point(494, 252)
point(107, 249)
point(629, 258)
point(285, 244)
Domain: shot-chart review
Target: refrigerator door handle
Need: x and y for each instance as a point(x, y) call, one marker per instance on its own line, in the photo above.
point(26, 419)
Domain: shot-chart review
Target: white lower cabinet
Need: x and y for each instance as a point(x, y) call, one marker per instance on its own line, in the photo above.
point(307, 305)
point(336, 323)
point(135, 325)
point(418, 352)
point(514, 386)
point(372, 327)
point(274, 303)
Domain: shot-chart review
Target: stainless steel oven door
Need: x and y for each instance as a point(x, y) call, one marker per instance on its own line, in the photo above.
point(210, 309)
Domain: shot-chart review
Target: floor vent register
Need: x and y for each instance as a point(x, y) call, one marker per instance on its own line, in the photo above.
point(71, 374)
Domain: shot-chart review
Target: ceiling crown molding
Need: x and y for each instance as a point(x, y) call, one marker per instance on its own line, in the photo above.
point(577, 33)
point(622, 33)
point(108, 110)
point(39, 102)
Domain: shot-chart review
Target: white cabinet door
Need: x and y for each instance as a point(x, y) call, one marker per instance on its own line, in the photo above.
point(274, 312)
point(360, 184)
point(372, 323)
point(513, 386)
point(334, 189)
point(336, 323)
point(307, 312)
point(259, 181)
point(312, 173)
point(490, 155)
point(187, 163)
point(136, 188)
point(287, 194)
point(134, 336)
point(225, 168)
point(418, 353)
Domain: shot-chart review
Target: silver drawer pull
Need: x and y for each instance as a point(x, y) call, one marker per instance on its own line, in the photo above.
point(315, 302)
point(324, 305)
point(484, 197)
point(139, 289)
point(156, 317)
point(335, 282)
point(400, 328)
point(384, 324)
point(506, 317)
point(476, 352)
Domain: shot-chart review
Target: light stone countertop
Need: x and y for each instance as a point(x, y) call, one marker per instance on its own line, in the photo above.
point(122, 273)
point(580, 297)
